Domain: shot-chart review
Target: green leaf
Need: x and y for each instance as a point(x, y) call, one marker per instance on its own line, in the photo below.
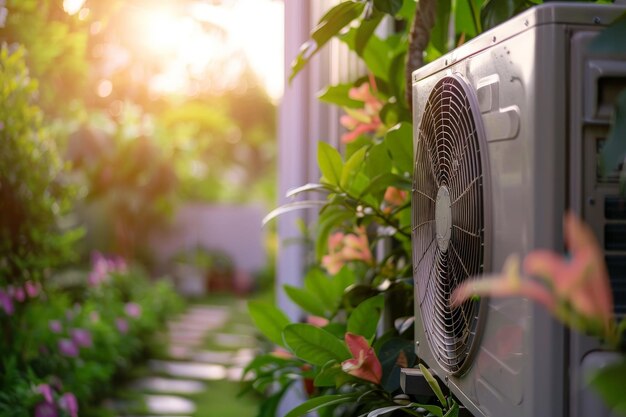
point(314, 345)
point(296, 205)
point(467, 18)
point(391, 7)
point(316, 282)
point(306, 188)
point(454, 410)
point(375, 54)
point(269, 320)
point(344, 279)
point(378, 161)
point(614, 150)
point(407, 12)
point(364, 318)
point(352, 167)
point(609, 383)
point(388, 355)
point(365, 31)
point(381, 182)
point(611, 40)
point(495, 12)
point(338, 94)
point(308, 301)
point(330, 163)
point(440, 34)
point(319, 402)
point(434, 385)
point(386, 410)
point(269, 407)
point(331, 219)
point(329, 375)
point(329, 25)
point(399, 141)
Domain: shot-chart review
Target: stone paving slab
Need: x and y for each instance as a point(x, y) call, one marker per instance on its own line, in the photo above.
point(209, 356)
point(233, 340)
point(168, 385)
point(168, 404)
point(193, 370)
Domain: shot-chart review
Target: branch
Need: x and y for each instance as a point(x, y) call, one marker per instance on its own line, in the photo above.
point(419, 36)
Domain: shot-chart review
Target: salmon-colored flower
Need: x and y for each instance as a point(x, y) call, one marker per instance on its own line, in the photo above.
point(576, 289)
point(364, 363)
point(344, 248)
point(365, 119)
point(317, 321)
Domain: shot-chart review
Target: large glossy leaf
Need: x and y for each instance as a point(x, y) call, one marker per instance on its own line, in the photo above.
point(495, 12)
point(387, 410)
point(389, 355)
point(391, 7)
point(269, 407)
point(365, 317)
point(609, 383)
point(338, 94)
point(407, 11)
point(308, 301)
point(467, 18)
point(329, 375)
point(375, 54)
point(330, 163)
point(434, 385)
point(378, 160)
point(329, 221)
point(440, 34)
point(316, 282)
point(614, 150)
point(329, 25)
point(365, 31)
point(314, 345)
point(319, 402)
point(343, 280)
point(399, 141)
point(269, 320)
point(352, 167)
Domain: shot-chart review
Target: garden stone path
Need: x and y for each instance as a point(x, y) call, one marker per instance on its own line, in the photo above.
point(191, 368)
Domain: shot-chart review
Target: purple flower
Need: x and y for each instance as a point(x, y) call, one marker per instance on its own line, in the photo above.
point(6, 303)
point(68, 348)
point(19, 294)
point(45, 410)
point(132, 310)
point(55, 326)
point(68, 403)
point(122, 325)
point(82, 337)
point(46, 391)
point(32, 289)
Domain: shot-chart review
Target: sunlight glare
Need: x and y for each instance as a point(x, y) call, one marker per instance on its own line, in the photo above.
point(72, 7)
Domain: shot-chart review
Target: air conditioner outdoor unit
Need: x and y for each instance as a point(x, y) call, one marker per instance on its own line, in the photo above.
point(507, 130)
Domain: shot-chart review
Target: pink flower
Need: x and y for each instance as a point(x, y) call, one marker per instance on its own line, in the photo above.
point(508, 283)
point(94, 317)
point(6, 303)
point(132, 310)
point(45, 409)
point(363, 120)
point(344, 248)
point(55, 326)
point(68, 348)
point(46, 391)
point(82, 337)
point(122, 325)
point(576, 290)
point(69, 403)
point(32, 289)
point(317, 321)
point(395, 196)
point(364, 363)
point(17, 293)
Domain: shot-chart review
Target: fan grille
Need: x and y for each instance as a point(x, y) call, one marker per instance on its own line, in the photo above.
point(448, 219)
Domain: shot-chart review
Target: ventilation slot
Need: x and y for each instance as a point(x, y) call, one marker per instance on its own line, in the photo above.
point(615, 208)
point(615, 237)
point(617, 272)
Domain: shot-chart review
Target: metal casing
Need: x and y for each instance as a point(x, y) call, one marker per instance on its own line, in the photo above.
point(520, 73)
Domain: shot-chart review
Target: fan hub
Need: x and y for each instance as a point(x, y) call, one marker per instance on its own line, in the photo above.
point(443, 218)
